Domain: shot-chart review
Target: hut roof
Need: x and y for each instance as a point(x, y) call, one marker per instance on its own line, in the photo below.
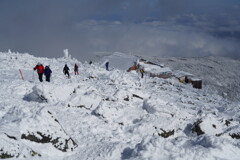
point(155, 68)
point(194, 79)
point(180, 74)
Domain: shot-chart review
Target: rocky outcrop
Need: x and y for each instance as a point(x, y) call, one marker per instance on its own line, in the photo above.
point(48, 130)
point(5, 155)
point(196, 128)
point(235, 135)
point(166, 134)
point(11, 147)
point(61, 144)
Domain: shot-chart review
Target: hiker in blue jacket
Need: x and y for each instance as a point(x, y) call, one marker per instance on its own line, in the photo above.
point(47, 73)
point(107, 64)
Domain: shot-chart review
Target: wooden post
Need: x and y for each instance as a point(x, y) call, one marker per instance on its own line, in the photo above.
point(21, 74)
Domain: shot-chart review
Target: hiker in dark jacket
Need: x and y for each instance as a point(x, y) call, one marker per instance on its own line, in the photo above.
point(47, 73)
point(66, 70)
point(40, 70)
point(76, 69)
point(107, 64)
point(142, 72)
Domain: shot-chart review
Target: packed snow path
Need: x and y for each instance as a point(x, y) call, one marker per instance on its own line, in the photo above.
point(111, 115)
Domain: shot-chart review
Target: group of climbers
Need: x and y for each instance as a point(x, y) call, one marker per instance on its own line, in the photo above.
point(66, 70)
point(41, 70)
point(47, 71)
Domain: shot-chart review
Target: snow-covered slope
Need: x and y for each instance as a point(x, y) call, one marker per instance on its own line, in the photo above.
point(118, 61)
point(110, 115)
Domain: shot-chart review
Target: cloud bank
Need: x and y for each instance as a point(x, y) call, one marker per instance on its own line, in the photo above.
point(186, 28)
point(155, 38)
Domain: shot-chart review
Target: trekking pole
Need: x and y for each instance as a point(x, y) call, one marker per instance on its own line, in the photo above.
point(21, 74)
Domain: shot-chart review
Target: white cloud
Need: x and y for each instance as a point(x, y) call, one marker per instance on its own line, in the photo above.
point(155, 38)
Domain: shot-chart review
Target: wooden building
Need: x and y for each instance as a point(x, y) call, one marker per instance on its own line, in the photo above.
point(151, 69)
point(185, 77)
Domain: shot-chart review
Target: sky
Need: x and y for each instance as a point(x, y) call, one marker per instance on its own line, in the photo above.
point(180, 28)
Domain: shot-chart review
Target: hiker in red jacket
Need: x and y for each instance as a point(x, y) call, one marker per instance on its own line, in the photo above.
point(76, 69)
point(40, 70)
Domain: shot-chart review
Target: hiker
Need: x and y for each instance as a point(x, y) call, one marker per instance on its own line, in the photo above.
point(47, 73)
point(90, 62)
point(76, 69)
point(40, 70)
point(107, 64)
point(66, 70)
point(142, 71)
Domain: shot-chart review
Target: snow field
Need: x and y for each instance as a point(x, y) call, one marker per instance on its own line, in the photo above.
point(113, 115)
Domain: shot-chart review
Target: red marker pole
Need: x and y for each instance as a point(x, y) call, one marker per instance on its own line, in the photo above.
point(21, 74)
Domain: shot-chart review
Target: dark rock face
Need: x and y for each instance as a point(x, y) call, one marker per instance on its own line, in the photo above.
point(62, 146)
point(5, 155)
point(33, 153)
point(11, 137)
point(13, 148)
point(228, 122)
point(80, 106)
point(166, 134)
point(235, 135)
point(52, 133)
point(126, 99)
point(197, 129)
point(32, 137)
point(137, 96)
